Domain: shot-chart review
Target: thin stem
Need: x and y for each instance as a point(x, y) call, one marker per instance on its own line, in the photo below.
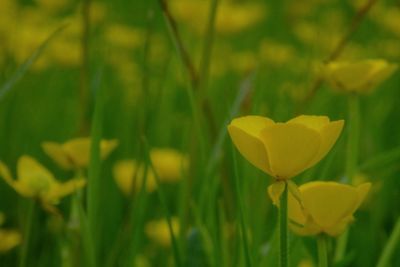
point(283, 229)
point(27, 233)
point(353, 133)
point(390, 246)
point(322, 251)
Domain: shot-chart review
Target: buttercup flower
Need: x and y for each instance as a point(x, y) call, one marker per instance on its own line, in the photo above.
point(158, 231)
point(35, 181)
point(327, 207)
point(360, 76)
point(75, 154)
point(284, 150)
point(168, 164)
point(8, 238)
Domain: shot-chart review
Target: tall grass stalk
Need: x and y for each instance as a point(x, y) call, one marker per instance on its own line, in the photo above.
point(30, 217)
point(352, 151)
point(243, 228)
point(390, 247)
point(163, 200)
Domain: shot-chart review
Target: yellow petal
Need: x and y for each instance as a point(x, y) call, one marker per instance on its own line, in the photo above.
point(57, 153)
point(290, 148)
point(328, 202)
point(33, 175)
point(107, 146)
point(310, 121)
point(78, 150)
point(6, 174)
point(158, 231)
point(126, 171)
point(309, 228)
point(339, 227)
point(275, 191)
point(296, 213)
point(360, 76)
point(60, 190)
point(245, 134)
point(168, 163)
point(362, 191)
point(9, 239)
point(329, 134)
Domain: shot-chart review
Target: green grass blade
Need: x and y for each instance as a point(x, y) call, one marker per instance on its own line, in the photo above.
point(94, 185)
point(163, 200)
point(243, 228)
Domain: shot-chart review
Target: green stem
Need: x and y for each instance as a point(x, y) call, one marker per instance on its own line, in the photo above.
point(27, 233)
point(390, 246)
point(353, 133)
point(283, 229)
point(322, 251)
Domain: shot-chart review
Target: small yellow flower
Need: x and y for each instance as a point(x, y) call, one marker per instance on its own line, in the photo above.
point(35, 181)
point(158, 231)
point(168, 164)
point(327, 207)
point(8, 238)
point(284, 150)
point(75, 154)
point(359, 77)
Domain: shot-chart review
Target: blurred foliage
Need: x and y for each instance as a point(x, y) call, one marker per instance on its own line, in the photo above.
point(272, 47)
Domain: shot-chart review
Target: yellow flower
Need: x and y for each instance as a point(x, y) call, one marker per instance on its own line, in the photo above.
point(284, 150)
point(8, 238)
point(327, 207)
point(158, 231)
point(168, 164)
point(360, 76)
point(36, 181)
point(75, 154)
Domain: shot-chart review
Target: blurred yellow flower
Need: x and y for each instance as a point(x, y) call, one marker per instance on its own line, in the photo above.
point(158, 231)
point(168, 163)
point(306, 263)
point(36, 181)
point(231, 17)
point(327, 207)
point(8, 238)
point(75, 154)
point(284, 150)
point(359, 76)
point(123, 36)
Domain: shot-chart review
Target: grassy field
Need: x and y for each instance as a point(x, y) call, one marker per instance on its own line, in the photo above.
point(114, 146)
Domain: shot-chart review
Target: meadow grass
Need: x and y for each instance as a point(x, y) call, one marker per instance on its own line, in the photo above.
point(172, 75)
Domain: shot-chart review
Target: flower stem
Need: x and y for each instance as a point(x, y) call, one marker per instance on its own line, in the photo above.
point(390, 246)
point(27, 233)
point(283, 229)
point(353, 133)
point(322, 251)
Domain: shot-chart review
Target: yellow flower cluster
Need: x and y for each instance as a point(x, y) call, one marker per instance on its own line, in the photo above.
point(284, 150)
point(35, 181)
